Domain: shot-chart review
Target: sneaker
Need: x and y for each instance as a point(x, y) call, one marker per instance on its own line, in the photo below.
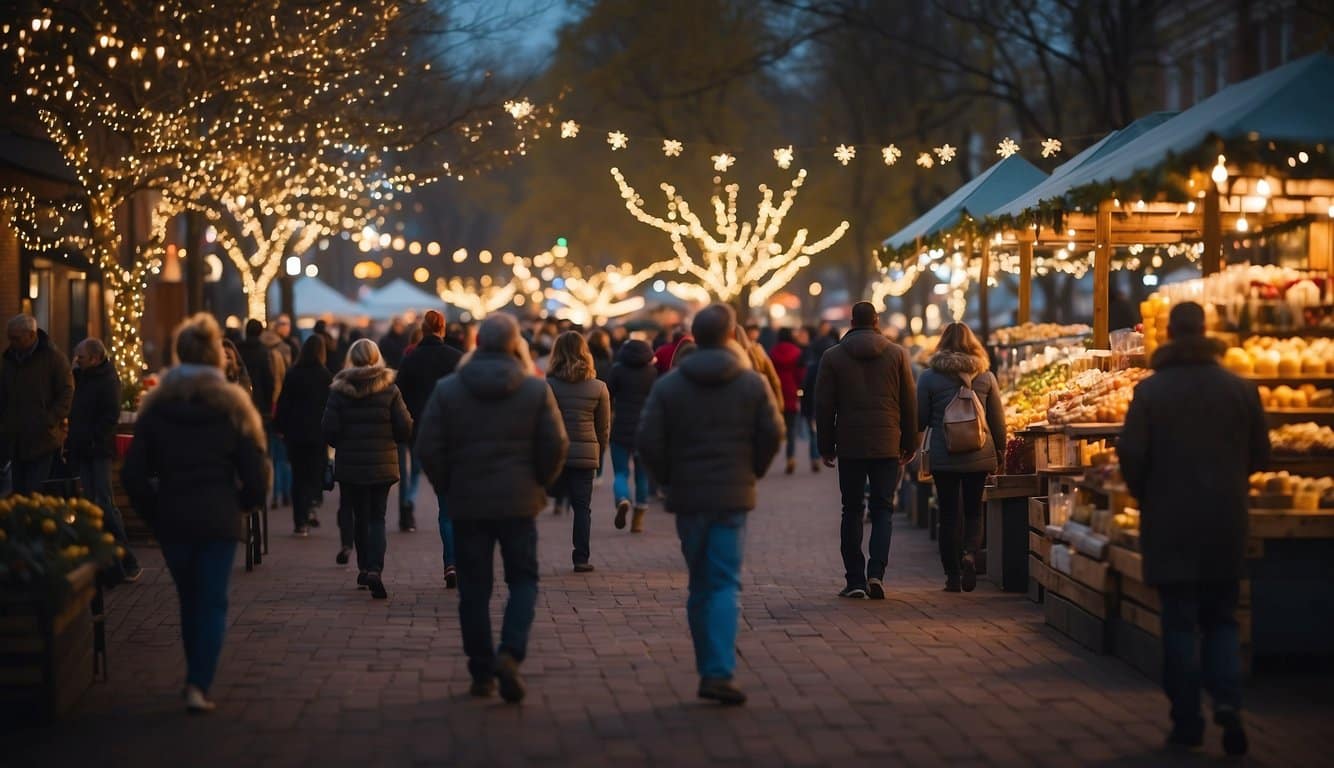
point(301, 531)
point(968, 579)
point(132, 573)
point(853, 593)
point(363, 580)
point(791, 466)
point(952, 584)
point(507, 674)
point(482, 688)
point(815, 465)
point(875, 589)
point(196, 703)
point(313, 521)
point(637, 523)
point(376, 586)
point(721, 690)
point(1234, 733)
point(343, 555)
point(451, 577)
point(622, 509)
point(583, 567)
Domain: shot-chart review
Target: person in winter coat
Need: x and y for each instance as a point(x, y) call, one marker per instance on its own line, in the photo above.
point(786, 356)
point(298, 419)
point(91, 443)
point(36, 391)
point(196, 462)
point(491, 441)
point(866, 413)
point(960, 361)
point(599, 346)
point(710, 428)
point(394, 343)
point(823, 339)
point(1193, 436)
point(422, 369)
point(761, 364)
point(585, 408)
point(365, 420)
point(281, 358)
point(261, 365)
point(233, 368)
point(628, 385)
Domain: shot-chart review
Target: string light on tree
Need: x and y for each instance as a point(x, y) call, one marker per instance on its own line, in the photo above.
point(617, 140)
point(519, 109)
point(672, 147)
point(925, 160)
point(603, 295)
point(722, 162)
point(945, 152)
point(784, 157)
point(844, 154)
point(569, 129)
point(891, 154)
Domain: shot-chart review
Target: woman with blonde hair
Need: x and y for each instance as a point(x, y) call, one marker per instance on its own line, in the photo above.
point(585, 407)
point(960, 363)
point(365, 420)
point(759, 362)
point(198, 460)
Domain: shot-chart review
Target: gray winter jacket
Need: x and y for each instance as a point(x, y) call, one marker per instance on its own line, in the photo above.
point(710, 428)
point(936, 388)
point(491, 440)
point(365, 420)
point(585, 408)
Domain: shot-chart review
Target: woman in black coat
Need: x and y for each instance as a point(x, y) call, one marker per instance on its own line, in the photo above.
point(300, 411)
point(630, 380)
point(196, 462)
point(365, 420)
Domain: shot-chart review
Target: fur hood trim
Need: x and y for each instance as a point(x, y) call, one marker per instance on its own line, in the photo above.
point(958, 362)
point(207, 385)
point(365, 381)
point(1198, 350)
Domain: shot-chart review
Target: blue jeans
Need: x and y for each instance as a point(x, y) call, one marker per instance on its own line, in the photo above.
point(622, 458)
point(282, 471)
point(368, 504)
point(576, 485)
point(410, 472)
point(1189, 612)
point(854, 478)
point(446, 532)
point(712, 546)
point(810, 436)
point(95, 478)
point(201, 570)
point(476, 541)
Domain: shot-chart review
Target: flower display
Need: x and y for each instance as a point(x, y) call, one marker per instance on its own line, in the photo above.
point(44, 538)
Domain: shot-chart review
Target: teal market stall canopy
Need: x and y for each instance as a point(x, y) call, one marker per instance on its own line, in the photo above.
point(312, 297)
point(397, 298)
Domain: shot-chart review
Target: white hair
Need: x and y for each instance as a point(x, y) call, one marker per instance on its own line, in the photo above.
point(24, 323)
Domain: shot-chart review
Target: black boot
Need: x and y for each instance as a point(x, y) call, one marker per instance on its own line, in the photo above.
point(407, 523)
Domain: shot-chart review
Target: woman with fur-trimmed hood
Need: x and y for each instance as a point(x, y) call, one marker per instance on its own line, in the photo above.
point(960, 360)
point(196, 462)
point(365, 420)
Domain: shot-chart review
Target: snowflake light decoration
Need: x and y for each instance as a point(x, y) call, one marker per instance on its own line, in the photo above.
point(925, 160)
point(722, 162)
point(672, 147)
point(519, 109)
point(891, 154)
point(1051, 147)
point(569, 129)
point(945, 152)
point(617, 140)
point(784, 156)
point(1007, 147)
point(844, 153)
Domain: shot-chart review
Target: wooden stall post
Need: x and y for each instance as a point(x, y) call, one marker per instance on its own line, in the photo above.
point(1212, 229)
point(983, 298)
point(1102, 275)
point(1026, 239)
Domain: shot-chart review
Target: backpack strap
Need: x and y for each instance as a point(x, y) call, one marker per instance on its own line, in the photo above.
point(968, 379)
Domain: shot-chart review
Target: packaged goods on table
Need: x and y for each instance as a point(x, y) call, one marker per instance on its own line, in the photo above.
point(1305, 439)
point(1281, 490)
point(1104, 401)
point(1027, 333)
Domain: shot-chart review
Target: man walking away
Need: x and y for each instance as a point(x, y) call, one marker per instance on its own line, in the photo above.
point(866, 422)
point(1193, 436)
point(491, 441)
point(710, 428)
point(91, 442)
point(431, 361)
point(36, 391)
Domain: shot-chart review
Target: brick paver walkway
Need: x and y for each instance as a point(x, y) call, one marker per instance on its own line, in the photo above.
point(317, 674)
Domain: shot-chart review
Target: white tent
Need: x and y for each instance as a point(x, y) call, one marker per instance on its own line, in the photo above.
point(313, 297)
point(397, 298)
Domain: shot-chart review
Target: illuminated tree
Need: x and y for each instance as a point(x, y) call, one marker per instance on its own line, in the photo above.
point(604, 294)
point(738, 263)
point(481, 296)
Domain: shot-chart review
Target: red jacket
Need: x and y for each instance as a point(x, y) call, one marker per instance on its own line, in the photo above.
point(787, 361)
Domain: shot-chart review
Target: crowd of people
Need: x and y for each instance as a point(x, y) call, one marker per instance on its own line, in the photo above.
point(500, 418)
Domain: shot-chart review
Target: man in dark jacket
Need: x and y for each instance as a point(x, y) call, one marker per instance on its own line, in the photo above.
point(1193, 436)
point(431, 361)
point(91, 442)
point(259, 363)
point(491, 441)
point(394, 343)
point(710, 428)
point(36, 390)
point(631, 378)
point(866, 416)
point(825, 339)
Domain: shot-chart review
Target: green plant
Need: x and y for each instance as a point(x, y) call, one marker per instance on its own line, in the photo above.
point(44, 538)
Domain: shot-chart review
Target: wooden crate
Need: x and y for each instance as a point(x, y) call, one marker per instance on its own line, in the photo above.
point(1037, 513)
point(46, 651)
point(1141, 594)
point(1039, 545)
point(1090, 600)
point(1069, 619)
point(1094, 574)
point(1126, 562)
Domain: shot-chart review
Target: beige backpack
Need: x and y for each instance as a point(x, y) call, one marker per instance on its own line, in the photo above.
point(965, 423)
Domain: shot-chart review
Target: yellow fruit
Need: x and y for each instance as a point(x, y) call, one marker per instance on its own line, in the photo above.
point(48, 526)
point(108, 538)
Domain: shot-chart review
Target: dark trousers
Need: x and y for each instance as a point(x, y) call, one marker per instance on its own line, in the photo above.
point(1201, 648)
point(347, 527)
point(855, 476)
point(576, 485)
point(475, 542)
point(27, 476)
point(95, 479)
point(368, 504)
point(201, 570)
point(790, 421)
point(308, 461)
point(960, 497)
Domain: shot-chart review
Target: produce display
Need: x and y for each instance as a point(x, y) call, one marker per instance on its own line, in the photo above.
point(1100, 399)
point(1027, 401)
point(1305, 396)
point(1267, 357)
point(1280, 490)
point(1028, 333)
point(1305, 439)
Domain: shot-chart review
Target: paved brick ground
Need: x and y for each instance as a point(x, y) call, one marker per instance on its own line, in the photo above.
point(315, 673)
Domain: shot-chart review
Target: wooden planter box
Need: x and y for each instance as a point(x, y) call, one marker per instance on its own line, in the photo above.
point(46, 651)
